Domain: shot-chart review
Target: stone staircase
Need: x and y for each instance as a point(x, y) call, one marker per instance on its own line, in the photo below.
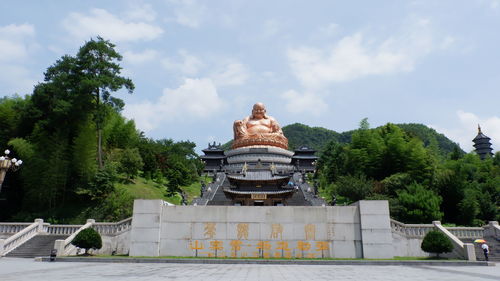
point(494, 247)
point(220, 198)
point(298, 199)
point(38, 246)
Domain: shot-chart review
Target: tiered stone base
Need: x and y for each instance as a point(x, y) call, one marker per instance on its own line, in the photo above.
point(269, 140)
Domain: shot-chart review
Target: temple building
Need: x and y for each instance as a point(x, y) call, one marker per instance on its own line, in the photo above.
point(482, 144)
point(214, 158)
point(259, 170)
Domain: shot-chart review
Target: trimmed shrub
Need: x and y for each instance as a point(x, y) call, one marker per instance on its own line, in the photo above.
point(87, 239)
point(436, 242)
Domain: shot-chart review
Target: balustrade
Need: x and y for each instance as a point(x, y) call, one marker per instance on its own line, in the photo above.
point(58, 229)
point(467, 232)
point(411, 230)
point(12, 227)
point(19, 238)
point(113, 228)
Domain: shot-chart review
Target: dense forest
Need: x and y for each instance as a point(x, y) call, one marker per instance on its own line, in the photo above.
point(83, 159)
point(422, 181)
point(78, 149)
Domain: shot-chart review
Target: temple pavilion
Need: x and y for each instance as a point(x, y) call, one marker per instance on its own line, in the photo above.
point(482, 144)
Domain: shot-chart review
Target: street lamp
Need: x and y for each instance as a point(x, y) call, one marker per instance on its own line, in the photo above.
point(7, 164)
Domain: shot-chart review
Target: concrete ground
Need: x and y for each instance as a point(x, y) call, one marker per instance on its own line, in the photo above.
point(13, 269)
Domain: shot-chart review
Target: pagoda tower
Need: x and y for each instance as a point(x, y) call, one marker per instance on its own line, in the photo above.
point(482, 144)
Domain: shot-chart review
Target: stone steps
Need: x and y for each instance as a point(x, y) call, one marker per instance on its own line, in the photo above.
point(494, 248)
point(38, 246)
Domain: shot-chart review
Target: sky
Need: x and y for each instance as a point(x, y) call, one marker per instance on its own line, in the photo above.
point(200, 65)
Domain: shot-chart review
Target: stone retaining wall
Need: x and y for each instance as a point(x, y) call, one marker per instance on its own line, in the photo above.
point(361, 230)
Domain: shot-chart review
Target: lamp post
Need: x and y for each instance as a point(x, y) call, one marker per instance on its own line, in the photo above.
point(7, 164)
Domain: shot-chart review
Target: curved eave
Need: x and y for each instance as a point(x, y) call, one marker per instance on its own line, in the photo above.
point(481, 136)
point(277, 192)
point(243, 178)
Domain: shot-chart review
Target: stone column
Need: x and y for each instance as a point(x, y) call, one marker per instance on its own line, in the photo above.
point(40, 225)
point(2, 243)
point(376, 235)
point(146, 226)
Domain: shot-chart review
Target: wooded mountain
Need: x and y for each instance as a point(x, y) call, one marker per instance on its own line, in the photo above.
point(317, 137)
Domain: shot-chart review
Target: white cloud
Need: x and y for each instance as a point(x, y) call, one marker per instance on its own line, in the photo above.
point(17, 45)
point(447, 42)
point(16, 41)
point(17, 31)
point(140, 57)
point(271, 28)
point(466, 129)
point(189, 13)
point(100, 22)
point(299, 103)
point(328, 30)
point(141, 12)
point(230, 74)
point(16, 78)
point(195, 99)
point(189, 64)
point(495, 4)
point(355, 56)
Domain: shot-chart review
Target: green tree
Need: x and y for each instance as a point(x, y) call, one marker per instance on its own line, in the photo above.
point(130, 162)
point(354, 187)
point(395, 182)
point(88, 239)
point(331, 163)
point(100, 76)
point(84, 151)
point(436, 242)
point(418, 204)
point(102, 183)
point(469, 207)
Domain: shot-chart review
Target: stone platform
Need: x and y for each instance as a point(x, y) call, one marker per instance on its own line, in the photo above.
point(361, 230)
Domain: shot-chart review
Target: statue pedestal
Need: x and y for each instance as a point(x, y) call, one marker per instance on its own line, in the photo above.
point(266, 140)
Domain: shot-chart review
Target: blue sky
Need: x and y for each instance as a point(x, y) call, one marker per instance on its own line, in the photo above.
point(200, 65)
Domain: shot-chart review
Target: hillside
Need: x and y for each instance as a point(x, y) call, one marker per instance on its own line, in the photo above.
point(317, 137)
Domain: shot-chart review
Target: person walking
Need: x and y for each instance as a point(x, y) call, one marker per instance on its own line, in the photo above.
point(486, 250)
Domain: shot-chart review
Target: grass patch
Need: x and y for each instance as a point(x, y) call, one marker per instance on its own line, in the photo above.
point(142, 188)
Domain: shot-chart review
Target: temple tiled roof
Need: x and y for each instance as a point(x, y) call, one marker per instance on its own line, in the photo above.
point(262, 175)
point(259, 192)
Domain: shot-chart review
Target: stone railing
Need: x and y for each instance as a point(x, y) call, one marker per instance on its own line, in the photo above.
point(9, 244)
point(492, 229)
point(115, 228)
point(461, 249)
point(12, 227)
point(411, 230)
point(467, 232)
point(64, 247)
point(60, 229)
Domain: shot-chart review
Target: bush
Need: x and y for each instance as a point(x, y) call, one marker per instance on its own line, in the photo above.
point(436, 242)
point(87, 239)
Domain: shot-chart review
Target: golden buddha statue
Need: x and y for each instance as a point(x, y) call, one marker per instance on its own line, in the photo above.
point(258, 129)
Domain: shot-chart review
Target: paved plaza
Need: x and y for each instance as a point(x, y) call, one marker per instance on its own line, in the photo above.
point(12, 269)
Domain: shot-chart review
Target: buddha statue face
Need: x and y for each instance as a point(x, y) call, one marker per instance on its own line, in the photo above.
point(259, 111)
